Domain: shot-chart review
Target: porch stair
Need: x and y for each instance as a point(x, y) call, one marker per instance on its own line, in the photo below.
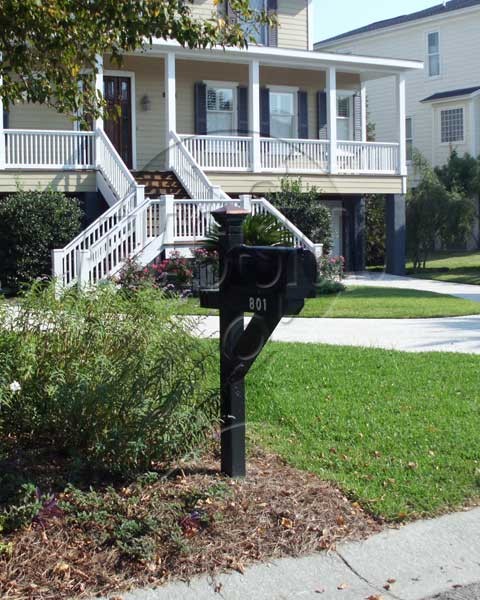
point(160, 183)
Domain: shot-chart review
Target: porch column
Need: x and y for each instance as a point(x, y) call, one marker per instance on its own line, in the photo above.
point(170, 104)
point(402, 131)
point(254, 113)
point(2, 132)
point(396, 234)
point(363, 100)
point(332, 117)
point(98, 122)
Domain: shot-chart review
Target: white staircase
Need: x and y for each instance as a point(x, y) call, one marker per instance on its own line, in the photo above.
point(144, 227)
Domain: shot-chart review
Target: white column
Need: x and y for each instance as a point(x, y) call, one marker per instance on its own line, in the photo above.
point(363, 100)
point(254, 113)
point(170, 103)
point(2, 132)
point(98, 123)
point(402, 131)
point(332, 116)
point(169, 219)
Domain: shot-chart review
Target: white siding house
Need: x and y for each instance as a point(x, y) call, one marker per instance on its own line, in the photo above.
point(443, 100)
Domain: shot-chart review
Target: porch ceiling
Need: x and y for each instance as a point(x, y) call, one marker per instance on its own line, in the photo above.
point(368, 67)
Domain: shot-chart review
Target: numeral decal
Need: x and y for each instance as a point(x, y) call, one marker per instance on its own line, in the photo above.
point(257, 304)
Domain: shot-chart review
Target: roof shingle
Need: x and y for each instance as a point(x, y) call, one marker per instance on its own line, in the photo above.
point(452, 94)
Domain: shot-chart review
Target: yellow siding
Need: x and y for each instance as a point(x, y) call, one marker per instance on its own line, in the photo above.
point(64, 181)
point(203, 9)
point(246, 183)
point(293, 24)
point(37, 116)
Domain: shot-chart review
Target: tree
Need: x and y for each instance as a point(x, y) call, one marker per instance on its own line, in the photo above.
point(435, 214)
point(375, 230)
point(48, 49)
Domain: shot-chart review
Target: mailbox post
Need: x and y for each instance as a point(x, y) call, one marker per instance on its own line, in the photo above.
point(268, 282)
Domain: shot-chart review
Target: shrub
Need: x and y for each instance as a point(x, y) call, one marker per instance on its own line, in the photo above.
point(111, 380)
point(32, 224)
point(303, 208)
point(176, 269)
point(375, 230)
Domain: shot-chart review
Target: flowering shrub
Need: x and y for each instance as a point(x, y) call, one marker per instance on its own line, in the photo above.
point(205, 268)
point(174, 270)
point(331, 268)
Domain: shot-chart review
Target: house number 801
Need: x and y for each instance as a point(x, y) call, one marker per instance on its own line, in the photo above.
point(257, 304)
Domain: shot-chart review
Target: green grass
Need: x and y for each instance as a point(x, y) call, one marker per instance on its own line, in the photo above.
point(376, 303)
point(398, 432)
point(459, 267)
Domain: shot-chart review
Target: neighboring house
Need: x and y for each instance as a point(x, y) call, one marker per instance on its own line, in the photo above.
point(212, 126)
point(443, 101)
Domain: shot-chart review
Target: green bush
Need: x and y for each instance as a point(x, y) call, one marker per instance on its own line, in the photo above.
point(303, 208)
point(113, 381)
point(375, 230)
point(32, 224)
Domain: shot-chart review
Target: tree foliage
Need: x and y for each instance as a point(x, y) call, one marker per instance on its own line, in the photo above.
point(303, 208)
point(375, 230)
point(435, 214)
point(49, 47)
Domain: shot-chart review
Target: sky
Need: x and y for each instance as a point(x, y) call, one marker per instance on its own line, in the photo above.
point(338, 16)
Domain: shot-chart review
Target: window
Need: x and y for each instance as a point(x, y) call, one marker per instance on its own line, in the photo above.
point(451, 125)
point(258, 32)
point(433, 53)
point(282, 115)
point(220, 110)
point(344, 117)
point(409, 137)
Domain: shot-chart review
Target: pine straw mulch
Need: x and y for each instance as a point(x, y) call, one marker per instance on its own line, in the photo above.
point(276, 511)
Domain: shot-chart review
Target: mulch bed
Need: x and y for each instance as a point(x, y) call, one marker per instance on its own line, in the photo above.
point(276, 511)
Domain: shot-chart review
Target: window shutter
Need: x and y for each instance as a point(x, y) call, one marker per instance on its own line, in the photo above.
point(6, 119)
point(357, 118)
point(200, 98)
point(264, 112)
point(231, 14)
point(322, 116)
point(242, 109)
point(272, 9)
point(302, 102)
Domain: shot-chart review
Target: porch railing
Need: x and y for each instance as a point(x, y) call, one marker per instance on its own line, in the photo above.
point(368, 157)
point(58, 150)
point(235, 153)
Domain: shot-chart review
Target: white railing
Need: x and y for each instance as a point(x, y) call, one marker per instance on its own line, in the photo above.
point(32, 149)
point(219, 153)
point(116, 173)
point(299, 156)
point(189, 172)
point(368, 157)
point(297, 238)
point(193, 219)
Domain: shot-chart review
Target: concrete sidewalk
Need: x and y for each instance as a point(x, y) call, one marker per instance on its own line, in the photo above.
point(420, 560)
point(459, 290)
point(451, 334)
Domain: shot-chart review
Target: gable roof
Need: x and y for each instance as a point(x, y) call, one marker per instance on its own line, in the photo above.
point(452, 94)
point(439, 9)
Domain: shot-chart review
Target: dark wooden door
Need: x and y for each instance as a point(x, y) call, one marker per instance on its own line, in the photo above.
point(118, 124)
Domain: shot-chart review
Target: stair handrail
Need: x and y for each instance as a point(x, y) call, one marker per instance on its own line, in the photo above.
point(210, 191)
point(119, 188)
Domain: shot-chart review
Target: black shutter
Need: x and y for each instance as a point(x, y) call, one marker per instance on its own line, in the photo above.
point(272, 9)
point(6, 119)
point(302, 115)
point(231, 14)
point(264, 112)
point(322, 116)
point(357, 118)
point(200, 108)
point(242, 108)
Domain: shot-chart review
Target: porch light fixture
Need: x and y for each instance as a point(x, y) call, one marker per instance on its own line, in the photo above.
point(145, 103)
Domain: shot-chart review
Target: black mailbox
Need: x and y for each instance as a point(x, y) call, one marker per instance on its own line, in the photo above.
point(265, 280)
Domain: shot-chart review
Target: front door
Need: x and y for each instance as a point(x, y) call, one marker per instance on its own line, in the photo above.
point(118, 124)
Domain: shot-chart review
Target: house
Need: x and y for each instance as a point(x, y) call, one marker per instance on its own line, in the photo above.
point(201, 128)
point(443, 101)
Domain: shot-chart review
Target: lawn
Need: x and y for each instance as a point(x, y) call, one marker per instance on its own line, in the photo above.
point(376, 303)
point(397, 431)
point(460, 267)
